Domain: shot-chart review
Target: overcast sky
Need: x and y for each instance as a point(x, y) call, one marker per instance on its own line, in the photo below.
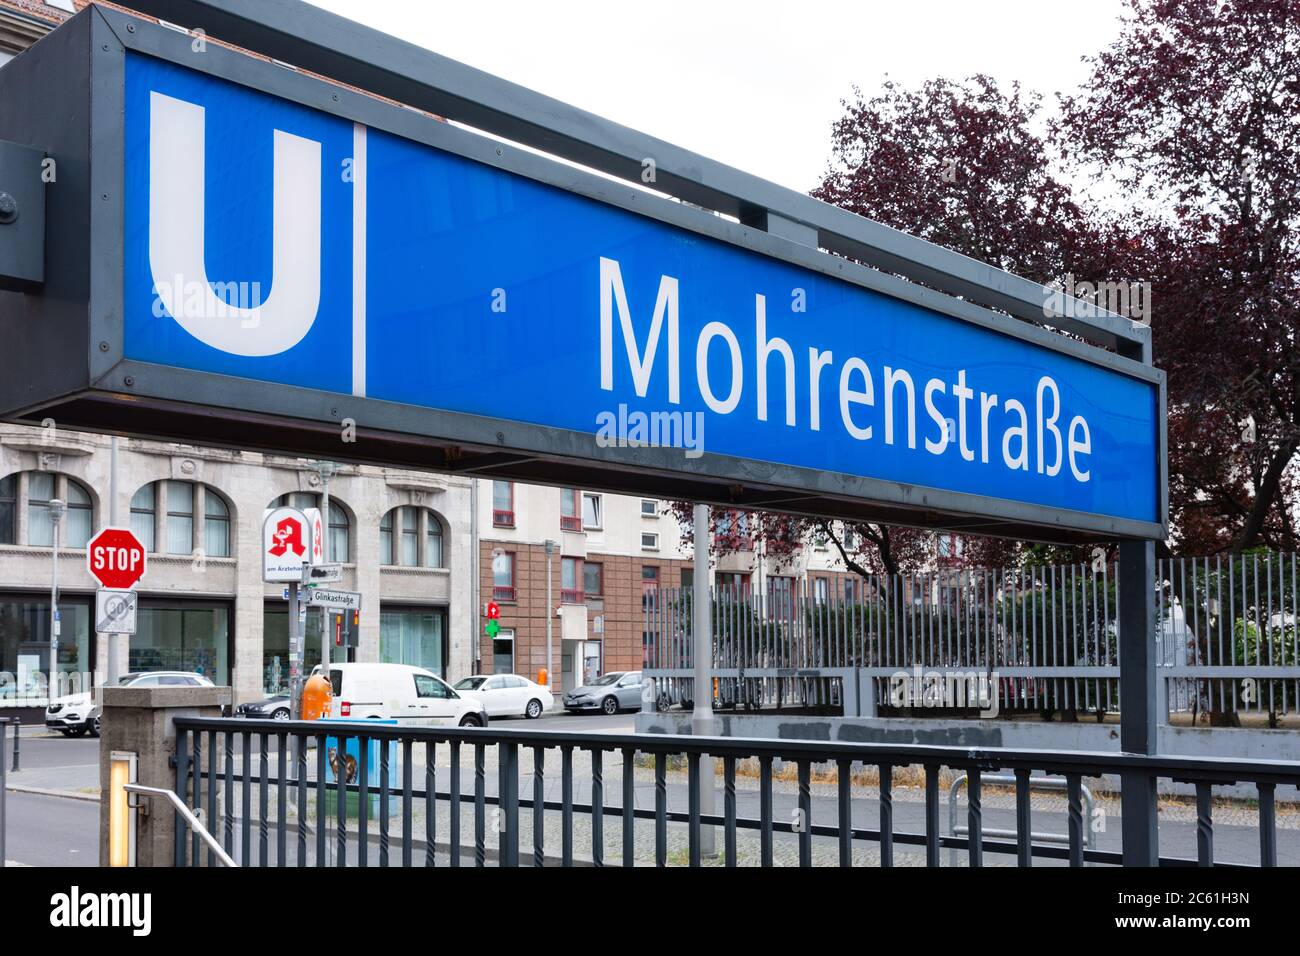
point(754, 84)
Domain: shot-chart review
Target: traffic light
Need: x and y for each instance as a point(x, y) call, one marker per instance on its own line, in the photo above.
point(493, 625)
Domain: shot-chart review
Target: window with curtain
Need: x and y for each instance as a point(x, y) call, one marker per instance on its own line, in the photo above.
point(410, 543)
point(414, 636)
point(503, 504)
point(432, 542)
point(179, 528)
point(339, 531)
point(593, 578)
point(77, 520)
point(386, 539)
point(503, 576)
point(570, 580)
point(40, 527)
point(570, 516)
point(143, 505)
point(216, 525)
point(76, 525)
point(9, 509)
point(400, 541)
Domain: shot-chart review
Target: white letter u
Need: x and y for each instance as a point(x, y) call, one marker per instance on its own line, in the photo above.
point(176, 244)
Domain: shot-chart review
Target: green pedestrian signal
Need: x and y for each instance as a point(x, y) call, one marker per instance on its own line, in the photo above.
point(492, 627)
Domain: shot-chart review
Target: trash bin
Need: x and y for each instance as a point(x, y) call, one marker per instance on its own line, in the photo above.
point(351, 767)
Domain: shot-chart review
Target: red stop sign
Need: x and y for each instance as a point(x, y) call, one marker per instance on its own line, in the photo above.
point(115, 558)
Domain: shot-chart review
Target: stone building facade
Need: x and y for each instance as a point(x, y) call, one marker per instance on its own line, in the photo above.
point(402, 537)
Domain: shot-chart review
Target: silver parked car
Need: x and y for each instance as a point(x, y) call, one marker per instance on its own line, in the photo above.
point(609, 694)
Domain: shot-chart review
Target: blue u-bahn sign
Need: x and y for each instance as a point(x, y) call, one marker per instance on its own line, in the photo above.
point(275, 252)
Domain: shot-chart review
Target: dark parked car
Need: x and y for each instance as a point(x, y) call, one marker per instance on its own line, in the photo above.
point(275, 707)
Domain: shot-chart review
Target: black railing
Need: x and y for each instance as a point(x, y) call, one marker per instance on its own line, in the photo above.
point(392, 774)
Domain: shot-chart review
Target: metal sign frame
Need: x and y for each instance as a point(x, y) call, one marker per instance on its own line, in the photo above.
point(108, 391)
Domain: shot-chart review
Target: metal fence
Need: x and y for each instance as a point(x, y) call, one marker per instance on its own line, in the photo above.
point(457, 797)
point(1043, 638)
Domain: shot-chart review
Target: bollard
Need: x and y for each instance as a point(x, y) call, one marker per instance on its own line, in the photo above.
point(17, 741)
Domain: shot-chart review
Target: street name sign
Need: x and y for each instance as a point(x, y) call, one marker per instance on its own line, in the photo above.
point(334, 600)
point(324, 574)
point(276, 261)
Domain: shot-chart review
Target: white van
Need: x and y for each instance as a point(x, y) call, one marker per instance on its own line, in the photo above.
point(411, 695)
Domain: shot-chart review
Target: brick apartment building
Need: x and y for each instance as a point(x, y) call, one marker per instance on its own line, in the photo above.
point(607, 551)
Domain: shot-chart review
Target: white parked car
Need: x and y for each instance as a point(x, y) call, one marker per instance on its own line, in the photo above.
point(75, 714)
point(507, 695)
point(411, 695)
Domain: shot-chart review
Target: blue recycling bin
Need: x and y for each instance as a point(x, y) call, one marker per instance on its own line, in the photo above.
point(351, 765)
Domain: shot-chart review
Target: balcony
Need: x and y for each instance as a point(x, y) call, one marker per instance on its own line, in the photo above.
point(572, 596)
point(503, 593)
point(570, 522)
point(502, 518)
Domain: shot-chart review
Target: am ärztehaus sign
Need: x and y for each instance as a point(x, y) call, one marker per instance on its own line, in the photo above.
point(266, 252)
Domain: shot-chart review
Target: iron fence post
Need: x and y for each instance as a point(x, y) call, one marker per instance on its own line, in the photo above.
point(508, 805)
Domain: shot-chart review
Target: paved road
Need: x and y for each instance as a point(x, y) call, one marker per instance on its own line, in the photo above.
point(51, 831)
point(56, 762)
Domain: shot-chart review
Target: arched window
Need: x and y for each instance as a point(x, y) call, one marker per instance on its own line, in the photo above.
point(412, 537)
point(216, 525)
point(143, 511)
point(432, 542)
point(9, 509)
point(339, 526)
point(178, 529)
point(77, 522)
point(386, 538)
point(184, 516)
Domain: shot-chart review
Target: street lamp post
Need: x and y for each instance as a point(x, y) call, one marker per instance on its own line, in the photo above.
point(56, 517)
point(326, 470)
point(111, 642)
point(702, 627)
point(550, 613)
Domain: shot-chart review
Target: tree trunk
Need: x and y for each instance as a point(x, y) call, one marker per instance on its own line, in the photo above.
point(1264, 496)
